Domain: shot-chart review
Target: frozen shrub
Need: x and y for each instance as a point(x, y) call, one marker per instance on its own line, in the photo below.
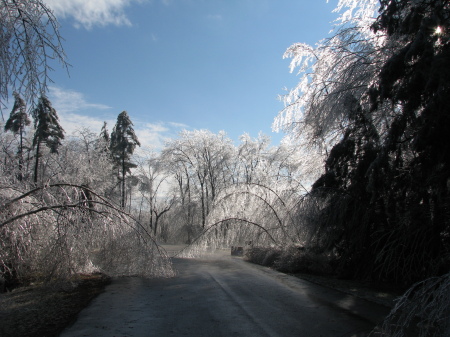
point(262, 256)
point(424, 310)
point(297, 260)
point(51, 233)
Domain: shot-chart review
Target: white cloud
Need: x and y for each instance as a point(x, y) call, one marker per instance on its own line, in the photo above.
point(67, 101)
point(72, 122)
point(178, 125)
point(89, 13)
point(71, 104)
point(156, 127)
point(152, 136)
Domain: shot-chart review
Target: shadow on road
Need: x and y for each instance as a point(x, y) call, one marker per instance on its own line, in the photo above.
point(224, 296)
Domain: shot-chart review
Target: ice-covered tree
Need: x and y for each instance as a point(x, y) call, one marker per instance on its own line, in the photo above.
point(184, 215)
point(375, 94)
point(123, 143)
point(251, 157)
point(200, 158)
point(30, 40)
point(67, 226)
point(103, 139)
point(16, 123)
point(338, 67)
point(409, 179)
point(157, 194)
point(47, 130)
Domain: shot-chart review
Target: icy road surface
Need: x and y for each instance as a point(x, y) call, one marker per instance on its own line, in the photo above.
point(224, 296)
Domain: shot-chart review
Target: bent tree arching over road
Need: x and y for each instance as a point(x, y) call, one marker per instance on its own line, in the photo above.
point(221, 295)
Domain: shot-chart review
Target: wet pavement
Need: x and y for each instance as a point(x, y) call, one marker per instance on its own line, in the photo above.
point(224, 296)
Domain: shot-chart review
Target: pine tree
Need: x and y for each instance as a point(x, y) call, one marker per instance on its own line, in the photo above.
point(387, 192)
point(349, 218)
point(413, 170)
point(16, 123)
point(103, 142)
point(122, 145)
point(48, 130)
point(104, 135)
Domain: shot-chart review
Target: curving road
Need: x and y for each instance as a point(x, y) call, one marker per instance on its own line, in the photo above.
point(224, 296)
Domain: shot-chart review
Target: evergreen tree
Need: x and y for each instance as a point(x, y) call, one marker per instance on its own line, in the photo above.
point(104, 135)
point(122, 145)
point(16, 123)
point(412, 173)
point(386, 186)
point(104, 140)
point(348, 219)
point(47, 128)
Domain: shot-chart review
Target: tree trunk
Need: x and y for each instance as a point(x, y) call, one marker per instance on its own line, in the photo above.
point(20, 175)
point(36, 165)
point(203, 204)
point(140, 207)
point(123, 180)
point(155, 227)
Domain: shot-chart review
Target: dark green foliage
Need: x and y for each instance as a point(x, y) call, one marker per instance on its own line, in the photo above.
point(16, 123)
point(47, 130)
point(297, 260)
point(18, 118)
point(122, 145)
point(262, 256)
point(415, 160)
point(290, 259)
point(348, 218)
point(387, 199)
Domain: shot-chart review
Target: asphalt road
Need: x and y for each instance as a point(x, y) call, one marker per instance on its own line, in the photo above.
point(224, 296)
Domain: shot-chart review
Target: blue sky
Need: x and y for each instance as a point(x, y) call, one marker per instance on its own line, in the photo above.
point(174, 64)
